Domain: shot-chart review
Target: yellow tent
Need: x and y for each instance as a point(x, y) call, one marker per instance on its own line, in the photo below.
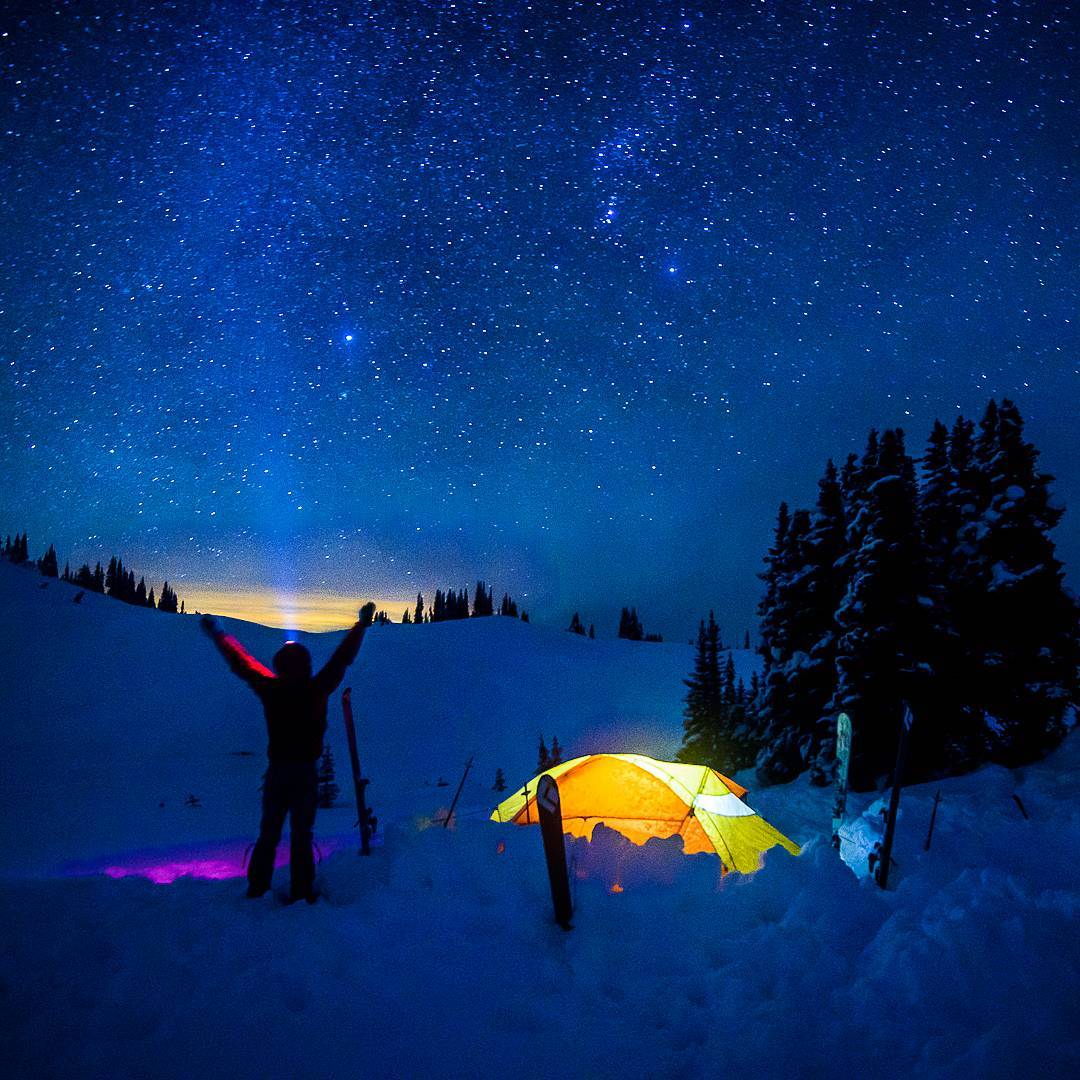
point(641, 797)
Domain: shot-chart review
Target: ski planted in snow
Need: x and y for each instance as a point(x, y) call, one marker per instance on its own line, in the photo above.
point(549, 810)
point(843, 761)
point(881, 871)
point(365, 819)
point(457, 795)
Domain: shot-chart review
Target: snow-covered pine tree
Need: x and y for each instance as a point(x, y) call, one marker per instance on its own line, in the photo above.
point(785, 740)
point(328, 788)
point(739, 740)
point(825, 585)
point(1025, 621)
point(770, 626)
point(883, 617)
point(941, 741)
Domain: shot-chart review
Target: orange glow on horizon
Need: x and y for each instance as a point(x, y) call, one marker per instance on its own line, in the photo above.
point(311, 611)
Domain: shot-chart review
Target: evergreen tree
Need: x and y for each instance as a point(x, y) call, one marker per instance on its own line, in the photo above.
point(556, 752)
point(110, 577)
point(419, 616)
point(698, 719)
point(1026, 622)
point(524, 616)
point(47, 565)
point(483, 600)
point(98, 584)
point(882, 619)
point(140, 593)
point(328, 788)
point(702, 711)
point(168, 600)
point(771, 621)
point(150, 600)
point(789, 634)
point(406, 618)
point(67, 572)
point(543, 759)
point(500, 782)
point(575, 626)
point(630, 626)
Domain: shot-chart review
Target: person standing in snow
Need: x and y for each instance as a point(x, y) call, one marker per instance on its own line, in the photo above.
point(294, 701)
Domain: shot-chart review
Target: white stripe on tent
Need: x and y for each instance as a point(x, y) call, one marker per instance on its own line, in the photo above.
point(726, 805)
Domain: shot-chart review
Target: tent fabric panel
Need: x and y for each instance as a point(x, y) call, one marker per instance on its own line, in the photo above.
point(740, 842)
point(691, 778)
point(605, 786)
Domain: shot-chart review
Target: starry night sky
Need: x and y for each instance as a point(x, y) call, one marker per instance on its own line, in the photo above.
point(367, 298)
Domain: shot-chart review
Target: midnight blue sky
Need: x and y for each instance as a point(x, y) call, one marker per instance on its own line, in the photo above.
point(569, 296)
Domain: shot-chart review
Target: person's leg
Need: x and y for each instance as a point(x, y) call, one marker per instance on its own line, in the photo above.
point(275, 805)
point(302, 807)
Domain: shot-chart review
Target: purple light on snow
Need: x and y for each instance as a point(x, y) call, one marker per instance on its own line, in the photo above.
point(216, 861)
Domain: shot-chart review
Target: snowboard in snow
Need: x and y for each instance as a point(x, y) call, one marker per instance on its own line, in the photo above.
point(549, 809)
point(843, 762)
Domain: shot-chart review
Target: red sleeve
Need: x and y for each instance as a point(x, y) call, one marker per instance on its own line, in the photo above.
point(331, 675)
point(245, 665)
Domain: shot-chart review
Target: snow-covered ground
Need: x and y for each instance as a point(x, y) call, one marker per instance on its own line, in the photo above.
point(436, 956)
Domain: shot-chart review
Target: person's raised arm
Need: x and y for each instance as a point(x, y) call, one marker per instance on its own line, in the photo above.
point(333, 672)
point(241, 662)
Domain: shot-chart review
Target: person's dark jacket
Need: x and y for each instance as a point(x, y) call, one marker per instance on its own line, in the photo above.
point(295, 707)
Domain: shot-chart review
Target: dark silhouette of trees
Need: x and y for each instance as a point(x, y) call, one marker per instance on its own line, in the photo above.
point(937, 588)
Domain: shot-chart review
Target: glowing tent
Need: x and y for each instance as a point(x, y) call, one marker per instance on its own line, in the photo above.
point(641, 798)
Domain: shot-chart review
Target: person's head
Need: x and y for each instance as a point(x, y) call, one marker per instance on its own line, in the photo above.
point(292, 661)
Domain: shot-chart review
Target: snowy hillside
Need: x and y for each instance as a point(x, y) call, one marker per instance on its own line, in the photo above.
point(436, 956)
point(128, 708)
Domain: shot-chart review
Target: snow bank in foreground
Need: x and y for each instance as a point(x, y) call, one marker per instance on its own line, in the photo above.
point(437, 956)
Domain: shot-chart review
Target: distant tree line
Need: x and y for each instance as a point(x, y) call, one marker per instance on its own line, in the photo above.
point(116, 581)
point(933, 585)
point(454, 604)
point(630, 627)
